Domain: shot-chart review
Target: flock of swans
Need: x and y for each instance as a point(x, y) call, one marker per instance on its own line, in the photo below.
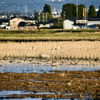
point(54, 49)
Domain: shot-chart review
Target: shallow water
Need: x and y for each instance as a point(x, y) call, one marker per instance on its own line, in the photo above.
point(27, 67)
point(4, 94)
point(40, 99)
point(30, 67)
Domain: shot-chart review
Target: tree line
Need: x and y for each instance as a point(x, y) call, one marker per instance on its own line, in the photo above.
point(45, 15)
point(73, 11)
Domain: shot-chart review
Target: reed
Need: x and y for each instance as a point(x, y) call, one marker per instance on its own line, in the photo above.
point(70, 49)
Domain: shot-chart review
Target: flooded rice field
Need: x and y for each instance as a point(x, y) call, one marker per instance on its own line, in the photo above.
point(41, 66)
point(41, 79)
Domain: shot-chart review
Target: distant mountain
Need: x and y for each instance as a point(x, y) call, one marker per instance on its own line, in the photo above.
point(31, 5)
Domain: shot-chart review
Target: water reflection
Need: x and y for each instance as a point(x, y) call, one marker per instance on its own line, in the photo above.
point(6, 93)
point(40, 99)
point(26, 67)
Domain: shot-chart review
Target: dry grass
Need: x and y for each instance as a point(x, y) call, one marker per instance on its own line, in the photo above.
point(70, 50)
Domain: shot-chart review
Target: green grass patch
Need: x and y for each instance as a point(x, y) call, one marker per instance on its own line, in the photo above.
point(46, 31)
point(49, 34)
point(52, 35)
point(39, 31)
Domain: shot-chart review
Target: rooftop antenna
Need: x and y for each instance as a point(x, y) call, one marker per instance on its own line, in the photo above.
point(26, 10)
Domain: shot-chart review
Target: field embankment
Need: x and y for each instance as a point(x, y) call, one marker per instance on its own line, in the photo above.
point(85, 50)
point(50, 35)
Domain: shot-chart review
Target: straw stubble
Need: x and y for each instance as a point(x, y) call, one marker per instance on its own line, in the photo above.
point(70, 49)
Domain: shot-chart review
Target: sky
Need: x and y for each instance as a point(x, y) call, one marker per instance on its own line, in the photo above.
point(19, 5)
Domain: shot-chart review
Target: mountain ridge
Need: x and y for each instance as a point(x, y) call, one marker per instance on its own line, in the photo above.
point(19, 5)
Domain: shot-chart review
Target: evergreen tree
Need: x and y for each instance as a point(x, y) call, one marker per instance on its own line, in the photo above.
point(45, 15)
point(91, 12)
point(80, 10)
point(47, 8)
point(58, 23)
point(98, 13)
point(69, 11)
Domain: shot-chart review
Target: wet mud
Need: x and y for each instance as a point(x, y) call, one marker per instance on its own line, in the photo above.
point(59, 84)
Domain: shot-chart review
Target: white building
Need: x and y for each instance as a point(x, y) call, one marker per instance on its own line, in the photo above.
point(7, 27)
point(96, 10)
point(68, 24)
point(93, 24)
point(56, 14)
point(44, 25)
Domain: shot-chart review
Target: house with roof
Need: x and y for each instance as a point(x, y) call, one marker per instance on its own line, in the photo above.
point(81, 23)
point(93, 23)
point(43, 25)
point(15, 22)
point(69, 24)
point(22, 24)
point(4, 23)
point(26, 26)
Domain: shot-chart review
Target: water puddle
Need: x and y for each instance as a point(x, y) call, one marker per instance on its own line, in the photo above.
point(44, 67)
point(6, 93)
point(39, 99)
point(27, 67)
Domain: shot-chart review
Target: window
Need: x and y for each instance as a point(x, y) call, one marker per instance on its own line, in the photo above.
point(14, 22)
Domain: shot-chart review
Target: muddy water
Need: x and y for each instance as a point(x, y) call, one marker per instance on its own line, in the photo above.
point(48, 80)
point(20, 66)
point(38, 99)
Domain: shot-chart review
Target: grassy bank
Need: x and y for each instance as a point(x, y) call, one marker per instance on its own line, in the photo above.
point(39, 31)
point(50, 35)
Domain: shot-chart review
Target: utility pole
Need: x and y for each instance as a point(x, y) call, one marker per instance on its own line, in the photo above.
point(39, 16)
point(77, 9)
point(43, 16)
point(46, 16)
point(64, 14)
point(26, 10)
point(33, 14)
point(84, 16)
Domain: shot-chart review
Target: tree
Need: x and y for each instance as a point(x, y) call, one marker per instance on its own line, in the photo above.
point(91, 12)
point(47, 8)
point(98, 13)
point(80, 10)
point(58, 23)
point(69, 11)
